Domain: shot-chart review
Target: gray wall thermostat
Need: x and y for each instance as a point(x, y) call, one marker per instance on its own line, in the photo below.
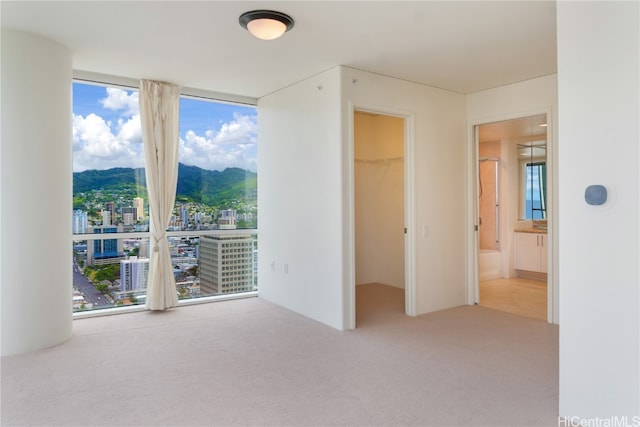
point(595, 195)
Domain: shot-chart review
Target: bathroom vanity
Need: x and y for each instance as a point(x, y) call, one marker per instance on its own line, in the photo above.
point(531, 250)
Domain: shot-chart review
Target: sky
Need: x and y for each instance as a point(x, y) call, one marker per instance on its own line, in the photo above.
point(107, 133)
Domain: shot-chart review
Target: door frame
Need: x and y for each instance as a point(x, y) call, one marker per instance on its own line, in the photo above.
point(411, 306)
point(473, 284)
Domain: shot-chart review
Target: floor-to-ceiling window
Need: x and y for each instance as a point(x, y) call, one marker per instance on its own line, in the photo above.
point(212, 234)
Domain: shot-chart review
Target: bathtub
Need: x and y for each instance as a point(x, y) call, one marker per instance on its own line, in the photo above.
point(489, 264)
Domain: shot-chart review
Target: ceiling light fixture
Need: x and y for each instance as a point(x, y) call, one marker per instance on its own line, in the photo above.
point(266, 24)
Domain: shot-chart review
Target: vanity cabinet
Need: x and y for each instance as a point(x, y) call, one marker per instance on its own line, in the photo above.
point(531, 252)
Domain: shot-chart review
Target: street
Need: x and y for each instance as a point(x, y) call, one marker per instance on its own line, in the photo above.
point(91, 294)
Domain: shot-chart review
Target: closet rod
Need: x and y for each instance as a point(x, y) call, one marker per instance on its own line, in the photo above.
point(385, 161)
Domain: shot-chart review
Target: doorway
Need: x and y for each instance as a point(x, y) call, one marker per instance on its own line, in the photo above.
point(511, 216)
point(379, 215)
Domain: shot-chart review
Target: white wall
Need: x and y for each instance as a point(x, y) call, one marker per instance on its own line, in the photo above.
point(379, 199)
point(436, 161)
point(523, 99)
point(599, 255)
point(35, 258)
point(300, 198)
point(306, 235)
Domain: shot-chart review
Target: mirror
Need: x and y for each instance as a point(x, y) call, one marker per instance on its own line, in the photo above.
point(533, 180)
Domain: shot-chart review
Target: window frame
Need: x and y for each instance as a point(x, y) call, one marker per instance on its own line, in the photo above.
point(128, 84)
point(541, 166)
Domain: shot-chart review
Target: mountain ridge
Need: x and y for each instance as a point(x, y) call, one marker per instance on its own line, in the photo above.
point(194, 183)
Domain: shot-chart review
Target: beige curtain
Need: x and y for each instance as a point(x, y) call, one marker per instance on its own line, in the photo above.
point(159, 116)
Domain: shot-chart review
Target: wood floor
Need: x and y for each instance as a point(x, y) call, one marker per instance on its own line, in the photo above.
point(524, 297)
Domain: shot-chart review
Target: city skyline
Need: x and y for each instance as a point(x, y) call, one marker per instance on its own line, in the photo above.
point(107, 134)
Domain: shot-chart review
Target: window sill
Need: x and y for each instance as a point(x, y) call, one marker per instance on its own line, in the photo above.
point(141, 307)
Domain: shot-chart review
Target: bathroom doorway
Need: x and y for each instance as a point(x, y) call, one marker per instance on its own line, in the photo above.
point(511, 215)
point(379, 214)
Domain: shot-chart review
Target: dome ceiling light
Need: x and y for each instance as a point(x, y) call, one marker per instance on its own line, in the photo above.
point(266, 24)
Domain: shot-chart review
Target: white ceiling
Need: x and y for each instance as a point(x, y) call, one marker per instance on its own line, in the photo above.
point(456, 45)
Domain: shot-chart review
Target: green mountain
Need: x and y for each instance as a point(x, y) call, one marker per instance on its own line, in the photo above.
point(228, 187)
point(116, 178)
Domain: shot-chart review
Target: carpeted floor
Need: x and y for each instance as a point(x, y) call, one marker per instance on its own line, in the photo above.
point(248, 363)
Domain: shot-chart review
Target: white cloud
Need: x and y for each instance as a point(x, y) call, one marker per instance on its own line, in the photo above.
point(99, 144)
point(234, 145)
point(118, 99)
point(96, 146)
point(241, 130)
point(130, 130)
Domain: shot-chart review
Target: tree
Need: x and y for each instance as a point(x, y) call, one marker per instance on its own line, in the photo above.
point(109, 272)
point(102, 287)
point(192, 271)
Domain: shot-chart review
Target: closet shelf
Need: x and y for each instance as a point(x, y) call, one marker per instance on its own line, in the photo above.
point(380, 161)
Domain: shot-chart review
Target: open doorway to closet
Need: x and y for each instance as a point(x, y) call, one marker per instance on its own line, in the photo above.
point(379, 209)
point(512, 215)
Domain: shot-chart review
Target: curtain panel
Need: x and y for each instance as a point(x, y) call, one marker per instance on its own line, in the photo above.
point(159, 117)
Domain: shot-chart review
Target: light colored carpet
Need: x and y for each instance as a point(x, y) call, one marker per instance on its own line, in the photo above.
point(248, 362)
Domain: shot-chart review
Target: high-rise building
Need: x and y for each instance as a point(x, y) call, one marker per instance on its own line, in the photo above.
point(104, 251)
point(227, 223)
point(106, 217)
point(184, 215)
point(133, 274)
point(138, 204)
point(80, 222)
point(227, 220)
point(226, 264)
point(127, 219)
point(128, 215)
point(228, 213)
point(111, 208)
